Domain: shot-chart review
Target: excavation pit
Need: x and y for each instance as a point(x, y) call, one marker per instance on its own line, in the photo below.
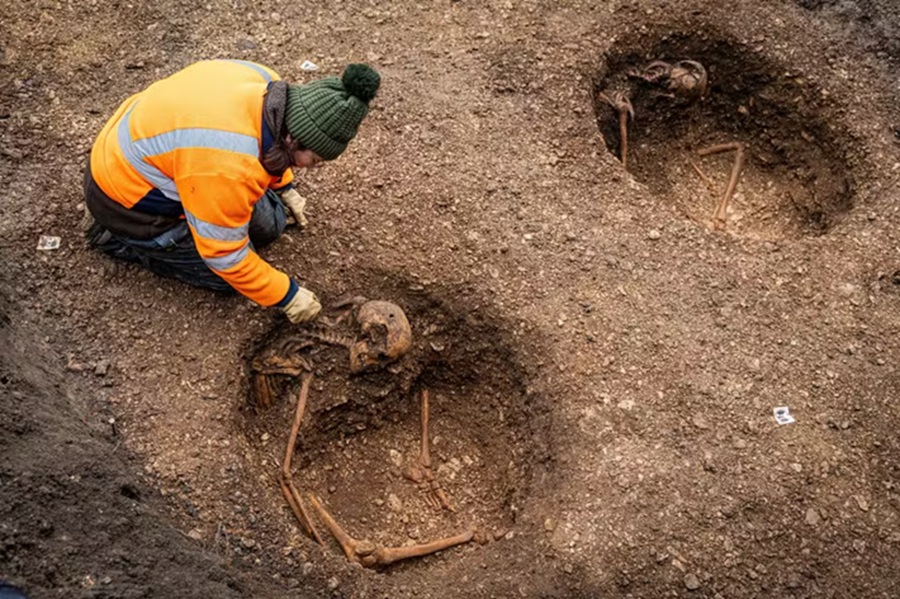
point(795, 180)
point(360, 433)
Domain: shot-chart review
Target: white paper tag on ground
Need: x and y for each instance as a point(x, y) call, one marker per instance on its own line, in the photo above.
point(309, 66)
point(783, 415)
point(48, 242)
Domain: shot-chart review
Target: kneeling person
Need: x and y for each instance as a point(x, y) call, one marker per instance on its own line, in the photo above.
point(193, 174)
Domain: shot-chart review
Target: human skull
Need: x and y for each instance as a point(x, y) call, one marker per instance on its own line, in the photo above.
point(384, 336)
point(685, 79)
point(688, 79)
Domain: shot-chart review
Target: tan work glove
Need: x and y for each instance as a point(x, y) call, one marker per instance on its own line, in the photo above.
point(296, 204)
point(303, 306)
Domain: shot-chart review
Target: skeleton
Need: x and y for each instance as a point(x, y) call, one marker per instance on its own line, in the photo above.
point(383, 336)
point(685, 79)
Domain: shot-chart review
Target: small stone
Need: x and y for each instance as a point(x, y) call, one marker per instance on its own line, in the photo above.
point(102, 368)
point(333, 583)
point(654, 234)
point(195, 534)
point(700, 422)
point(306, 569)
point(549, 524)
point(74, 366)
point(812, 517)
point(848, 289)
point(246, 44)
point(691, 582)
point(740, 444)
point(861, 502)
point(394, 503)
point(625, 404)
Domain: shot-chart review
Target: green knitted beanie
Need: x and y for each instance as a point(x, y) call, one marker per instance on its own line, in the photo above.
point(324, 115)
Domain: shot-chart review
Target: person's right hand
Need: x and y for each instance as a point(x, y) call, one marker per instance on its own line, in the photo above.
point(304, 306)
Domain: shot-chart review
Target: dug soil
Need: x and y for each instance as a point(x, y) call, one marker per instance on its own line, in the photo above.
point(603, 358)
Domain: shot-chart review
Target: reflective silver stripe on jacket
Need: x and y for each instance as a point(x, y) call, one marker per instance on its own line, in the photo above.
point(217, 232)
point(228, 260)
point(253, 66)
point(135, 151)
point(153, 175)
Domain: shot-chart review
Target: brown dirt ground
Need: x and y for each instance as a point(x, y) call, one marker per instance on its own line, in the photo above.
point(603, 365)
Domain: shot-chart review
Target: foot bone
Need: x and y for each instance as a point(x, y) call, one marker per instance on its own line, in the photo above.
point(420, 471)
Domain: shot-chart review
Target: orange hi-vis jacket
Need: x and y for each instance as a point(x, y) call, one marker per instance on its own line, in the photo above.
point(195, 138)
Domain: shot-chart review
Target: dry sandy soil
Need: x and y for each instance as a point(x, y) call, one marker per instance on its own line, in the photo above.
point(603, 365)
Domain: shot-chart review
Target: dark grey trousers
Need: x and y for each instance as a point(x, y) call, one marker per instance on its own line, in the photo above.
point(173, 253)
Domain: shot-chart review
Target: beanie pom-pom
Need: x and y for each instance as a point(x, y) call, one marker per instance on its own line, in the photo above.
point(361, 80)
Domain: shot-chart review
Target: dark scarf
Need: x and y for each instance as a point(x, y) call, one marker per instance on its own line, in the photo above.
point(274, 107)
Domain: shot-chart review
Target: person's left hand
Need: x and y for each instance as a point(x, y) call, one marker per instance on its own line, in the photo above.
point(296, 203)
